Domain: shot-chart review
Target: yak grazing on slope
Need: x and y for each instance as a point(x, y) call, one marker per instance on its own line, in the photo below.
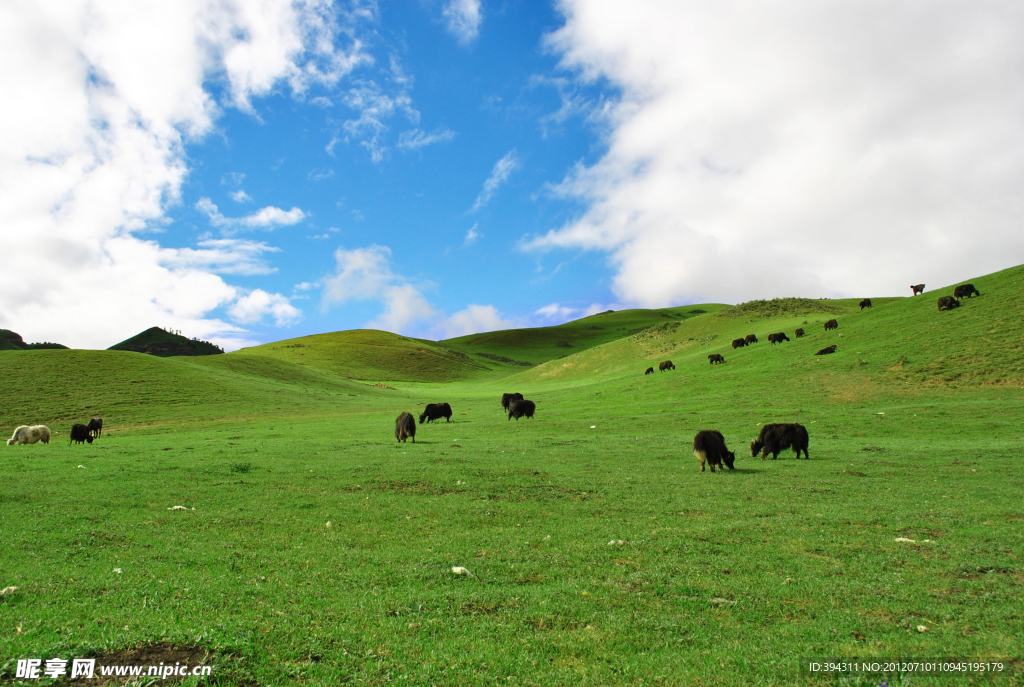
point(709, 445)
point(80, 433)
point(948, 303)
point(667, 365)
point(716, 358)
point(435, 411)
point(750, 339)
point(523, 408)
point(648, 371)
point(831, 324)
point(405, 427)
point(777, 437)
point(866, 303)
point(738, 343)
point(828, 350)
point(965, 291)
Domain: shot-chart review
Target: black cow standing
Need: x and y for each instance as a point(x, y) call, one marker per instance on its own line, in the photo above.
point(405, 427)
point(965, 291)
point(777, 338)
point(667, 365)
point(831, 324)
point(716, 358)
point(96, 426)
point(750, 339)
point(777, 437)
point(648, 371)
point(523, 408)
point(866, 303)
point(948, 303)
point(799, 333)
point(738, 343)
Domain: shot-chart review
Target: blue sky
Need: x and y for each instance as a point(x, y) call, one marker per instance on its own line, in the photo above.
point(252, 170)
point(499, 97)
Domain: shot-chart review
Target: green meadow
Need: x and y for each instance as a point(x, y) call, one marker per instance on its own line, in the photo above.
point(312, 548)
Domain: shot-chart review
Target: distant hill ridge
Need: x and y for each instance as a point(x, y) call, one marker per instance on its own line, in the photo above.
point(12, 341)
point(164, 344)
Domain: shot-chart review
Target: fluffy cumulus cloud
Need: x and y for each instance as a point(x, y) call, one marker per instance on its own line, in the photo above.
point(257, 304)
point(472, 320)
point(801, 148)
point(366, 274)
point(101, 99)
point(463, 19)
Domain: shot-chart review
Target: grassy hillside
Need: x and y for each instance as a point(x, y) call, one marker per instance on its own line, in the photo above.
point(320, 551)
point(369, 354)
point(541, 344)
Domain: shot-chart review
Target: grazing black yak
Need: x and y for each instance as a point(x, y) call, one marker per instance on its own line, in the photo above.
point(965, 291)
point(667, 365)
point(709, 445)
point(918, 288)
point(80, 433)
point(405, 426)
point(866, 303)
point(96, 426)
point(777, 338)
point(648, 371)
point(827, 350)
point(831, 324)
point(523, 408)
point(948, 303)
point(738, 343)
point(777, 437)
point(715, 358)
point(434, 411)
point(508, 398)
point(750, 338)
point(799, 333)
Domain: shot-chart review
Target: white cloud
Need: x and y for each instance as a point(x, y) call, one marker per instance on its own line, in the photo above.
point(264, 218)
point(254, 306)
point(404, 305)
point(554, 311)
point(416, 139)
point(374, 107)
point(471, 235)
point(463, 18)
point(320, 174)
point(360, 274)
point(240, 196)
point(365, 274)
point(772, 149)
point(502, 169)
point(473, 320)
point(223, 256)
point(101, 100)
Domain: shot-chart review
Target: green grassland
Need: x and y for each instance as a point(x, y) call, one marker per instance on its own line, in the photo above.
point(599, 553)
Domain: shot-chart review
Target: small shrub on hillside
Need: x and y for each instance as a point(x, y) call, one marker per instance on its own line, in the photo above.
point(782, 306)
point(242, 468)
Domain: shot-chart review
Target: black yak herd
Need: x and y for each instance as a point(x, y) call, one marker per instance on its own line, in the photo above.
point(514, 404)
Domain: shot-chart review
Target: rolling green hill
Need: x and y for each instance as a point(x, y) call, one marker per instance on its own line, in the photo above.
point(164, 344)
